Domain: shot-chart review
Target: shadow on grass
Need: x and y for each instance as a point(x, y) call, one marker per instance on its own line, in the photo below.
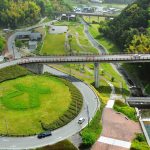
point(111, 47)
point(107, 90)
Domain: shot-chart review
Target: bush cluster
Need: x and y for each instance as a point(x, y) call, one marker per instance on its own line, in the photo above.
point(139, 143)
point(12, 72)
point(125, 109)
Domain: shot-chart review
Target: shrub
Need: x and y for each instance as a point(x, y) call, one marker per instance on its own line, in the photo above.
point(139, 143)
point(125, 109)
point(12, 72)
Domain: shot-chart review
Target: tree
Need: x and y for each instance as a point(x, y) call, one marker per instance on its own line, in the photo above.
point(2, 44)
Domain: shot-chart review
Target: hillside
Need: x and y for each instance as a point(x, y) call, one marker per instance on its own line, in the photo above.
point(14, 13)
point(130, 31)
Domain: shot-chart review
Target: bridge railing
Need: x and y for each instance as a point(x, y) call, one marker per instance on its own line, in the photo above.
point(90, 54)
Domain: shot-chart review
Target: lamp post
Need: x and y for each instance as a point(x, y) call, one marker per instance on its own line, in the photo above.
point(6, 125)
point(88, 115)
point(13, 44)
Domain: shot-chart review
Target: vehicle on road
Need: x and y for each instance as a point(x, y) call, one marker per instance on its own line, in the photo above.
point(81, 120)
point(44, 134)
point(136, 55)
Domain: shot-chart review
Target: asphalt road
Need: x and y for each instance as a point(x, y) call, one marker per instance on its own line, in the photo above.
point(91, 104)
point(11, 40)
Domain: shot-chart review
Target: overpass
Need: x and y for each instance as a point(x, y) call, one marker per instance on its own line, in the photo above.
point(96, 59)
point(68, 14)
point(142, 102)
point(87, 14)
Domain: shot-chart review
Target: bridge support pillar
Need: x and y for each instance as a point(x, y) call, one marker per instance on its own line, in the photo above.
point(89, 19)
point(96, 74)
point(98, 19)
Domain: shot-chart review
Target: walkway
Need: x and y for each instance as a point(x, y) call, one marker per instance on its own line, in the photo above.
point(118, 131)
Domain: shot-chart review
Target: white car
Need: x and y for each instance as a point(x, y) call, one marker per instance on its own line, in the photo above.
point(136, 55)
point(81, 120)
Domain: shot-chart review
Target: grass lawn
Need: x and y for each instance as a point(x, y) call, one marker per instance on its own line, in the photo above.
point(53, 44)
point(27, 101)
point(79, 42)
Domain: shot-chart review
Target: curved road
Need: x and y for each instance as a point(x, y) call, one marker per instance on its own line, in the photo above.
point(11, 40)
point(91, 103)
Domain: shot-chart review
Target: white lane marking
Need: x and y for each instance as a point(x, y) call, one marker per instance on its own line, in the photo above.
point(110, 104)
point(59, 137)
point(5, 140)
point(114, 142)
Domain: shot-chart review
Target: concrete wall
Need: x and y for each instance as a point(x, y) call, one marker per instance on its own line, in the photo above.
point(34, 67)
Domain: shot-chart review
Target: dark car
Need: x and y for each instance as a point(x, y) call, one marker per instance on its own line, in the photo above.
point(44, 134)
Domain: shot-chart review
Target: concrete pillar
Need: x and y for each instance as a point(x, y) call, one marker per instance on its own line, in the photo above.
point(96, 74)
point(34, 67)
point(89, 19)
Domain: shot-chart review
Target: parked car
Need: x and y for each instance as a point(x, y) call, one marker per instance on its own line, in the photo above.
point(44, 134)
point(81, 120)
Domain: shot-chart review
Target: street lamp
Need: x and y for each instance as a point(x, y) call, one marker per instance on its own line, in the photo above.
point(88, 115)
point(13, 44)
point(6, 125)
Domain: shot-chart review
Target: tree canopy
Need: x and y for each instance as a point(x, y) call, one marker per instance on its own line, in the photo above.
point(22, 12)
point(130, 28)
point(2, 43)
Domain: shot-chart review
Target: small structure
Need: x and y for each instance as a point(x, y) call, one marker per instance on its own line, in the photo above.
point(35, 36)
point(32, 45)
point(72, 17)
point(23, 35)
point(64, 17)
point(28, 35)
point(88, 10)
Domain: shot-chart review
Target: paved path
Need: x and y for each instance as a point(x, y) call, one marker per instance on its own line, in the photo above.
point(91, 104)
point(118, 130)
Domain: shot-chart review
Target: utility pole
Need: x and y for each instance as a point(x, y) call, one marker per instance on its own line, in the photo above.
point(6, 125)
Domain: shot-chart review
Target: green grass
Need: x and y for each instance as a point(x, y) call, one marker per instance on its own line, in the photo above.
point(109, 45)
point(109, 71)
point(31, 100)
point(125, 109)
point(139, 143)
point(77, 32)
point(53, 44)
point(63, 145)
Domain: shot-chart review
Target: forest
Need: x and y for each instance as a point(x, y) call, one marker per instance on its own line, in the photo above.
point(130, 31)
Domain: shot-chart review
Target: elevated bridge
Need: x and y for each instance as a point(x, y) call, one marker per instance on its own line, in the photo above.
point(87, 14)
point(140, 102)
point(96, 59)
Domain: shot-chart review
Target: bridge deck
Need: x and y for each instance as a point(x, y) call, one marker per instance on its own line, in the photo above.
point(126, 58)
